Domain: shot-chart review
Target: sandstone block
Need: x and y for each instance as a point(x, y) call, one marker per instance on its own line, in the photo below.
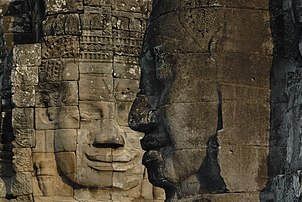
point(91, 110)
point(65, 140)
point(60, 47)
point(27, 55)
point(245, 69)
point(95, 88)
point(24, 138)
point(96, 68)
point(63, 6)
point(45, 141)
point(122, 111)
point(45, 118)
point(126, 71)
point(17, 24)
point(22, 184)
point(23, 118)
point(237, 39)
point(245, 123)
point(63, 93)
point(27, 76)
point(243, 168)
point(22, 160)
point(23, 96)
point(125, 89)
point(58, 70)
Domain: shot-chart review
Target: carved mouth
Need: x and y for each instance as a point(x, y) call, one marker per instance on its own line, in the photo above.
point(119, 161)
point(154, 140)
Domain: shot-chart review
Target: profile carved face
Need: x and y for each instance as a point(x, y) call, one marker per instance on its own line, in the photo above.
point(176, 107)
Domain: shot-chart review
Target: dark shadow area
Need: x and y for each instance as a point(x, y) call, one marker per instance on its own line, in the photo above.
point(284, 159)
point(16, 27)
point(209, 175)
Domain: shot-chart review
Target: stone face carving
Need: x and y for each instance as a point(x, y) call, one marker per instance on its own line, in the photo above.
point(188, 106)
point(65, 92)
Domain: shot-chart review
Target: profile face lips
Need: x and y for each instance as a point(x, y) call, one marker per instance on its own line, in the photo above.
point(154, 140)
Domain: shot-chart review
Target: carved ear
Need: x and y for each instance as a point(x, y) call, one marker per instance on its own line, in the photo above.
point(47, 117)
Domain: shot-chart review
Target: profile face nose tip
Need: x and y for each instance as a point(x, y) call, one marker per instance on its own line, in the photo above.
point(140, 114)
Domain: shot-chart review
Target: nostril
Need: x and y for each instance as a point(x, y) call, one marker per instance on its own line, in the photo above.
point(109, 142)
point(107, 145)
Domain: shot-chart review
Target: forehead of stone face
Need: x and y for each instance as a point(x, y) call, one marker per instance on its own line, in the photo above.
point(185, 29)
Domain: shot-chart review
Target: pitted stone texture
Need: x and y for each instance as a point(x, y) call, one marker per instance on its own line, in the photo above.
point(58, 70)
point(17, 23)
point(44, 141)
point(63, 6)
point(23, 96)
point(22, 184)
point(67, 24)
point(60, 47)
point(125, 89)
point(27, 55)
point(24, 138)
point(92, 87)
point(65, 140)
point(23, 118)
point(64, 93)
point(22, 160)
point(28, 76)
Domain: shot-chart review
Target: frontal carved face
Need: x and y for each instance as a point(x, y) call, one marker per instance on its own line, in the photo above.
point(177, 105)
point(100, 153)
point(93, 145)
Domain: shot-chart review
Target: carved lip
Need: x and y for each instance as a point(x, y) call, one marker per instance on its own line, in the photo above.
point(153, 140)
point(117, 161)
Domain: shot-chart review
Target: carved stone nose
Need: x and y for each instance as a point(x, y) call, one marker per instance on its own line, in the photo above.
point(110, 136)
point(141, 116)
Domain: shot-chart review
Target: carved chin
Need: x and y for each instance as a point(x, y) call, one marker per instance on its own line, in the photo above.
point(155, 165)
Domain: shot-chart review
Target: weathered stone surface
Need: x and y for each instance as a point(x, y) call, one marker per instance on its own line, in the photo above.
point(122, 110)
point(22, 184)
point(91, 110)
point(27, 55)
point(23, 118)
point(24, 138)
point(65, 140)
point(242, 120)
point(17, 23)
point(94, 87)
point(66, 135)
point(57, 117)
point(125, 90)
point(23, 96)
point(44, 141)
point(63, 6)
point(67, 24)
point(244, 167)
point(96, 68)
point(126, 71)
point(22, 160)
point(57, 94)
point(205, 81)
point(58, 70)
point(92, 194)
point(28, 76)
point(60, 47)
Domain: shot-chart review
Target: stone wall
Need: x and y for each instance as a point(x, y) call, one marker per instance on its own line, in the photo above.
point(69, 72)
